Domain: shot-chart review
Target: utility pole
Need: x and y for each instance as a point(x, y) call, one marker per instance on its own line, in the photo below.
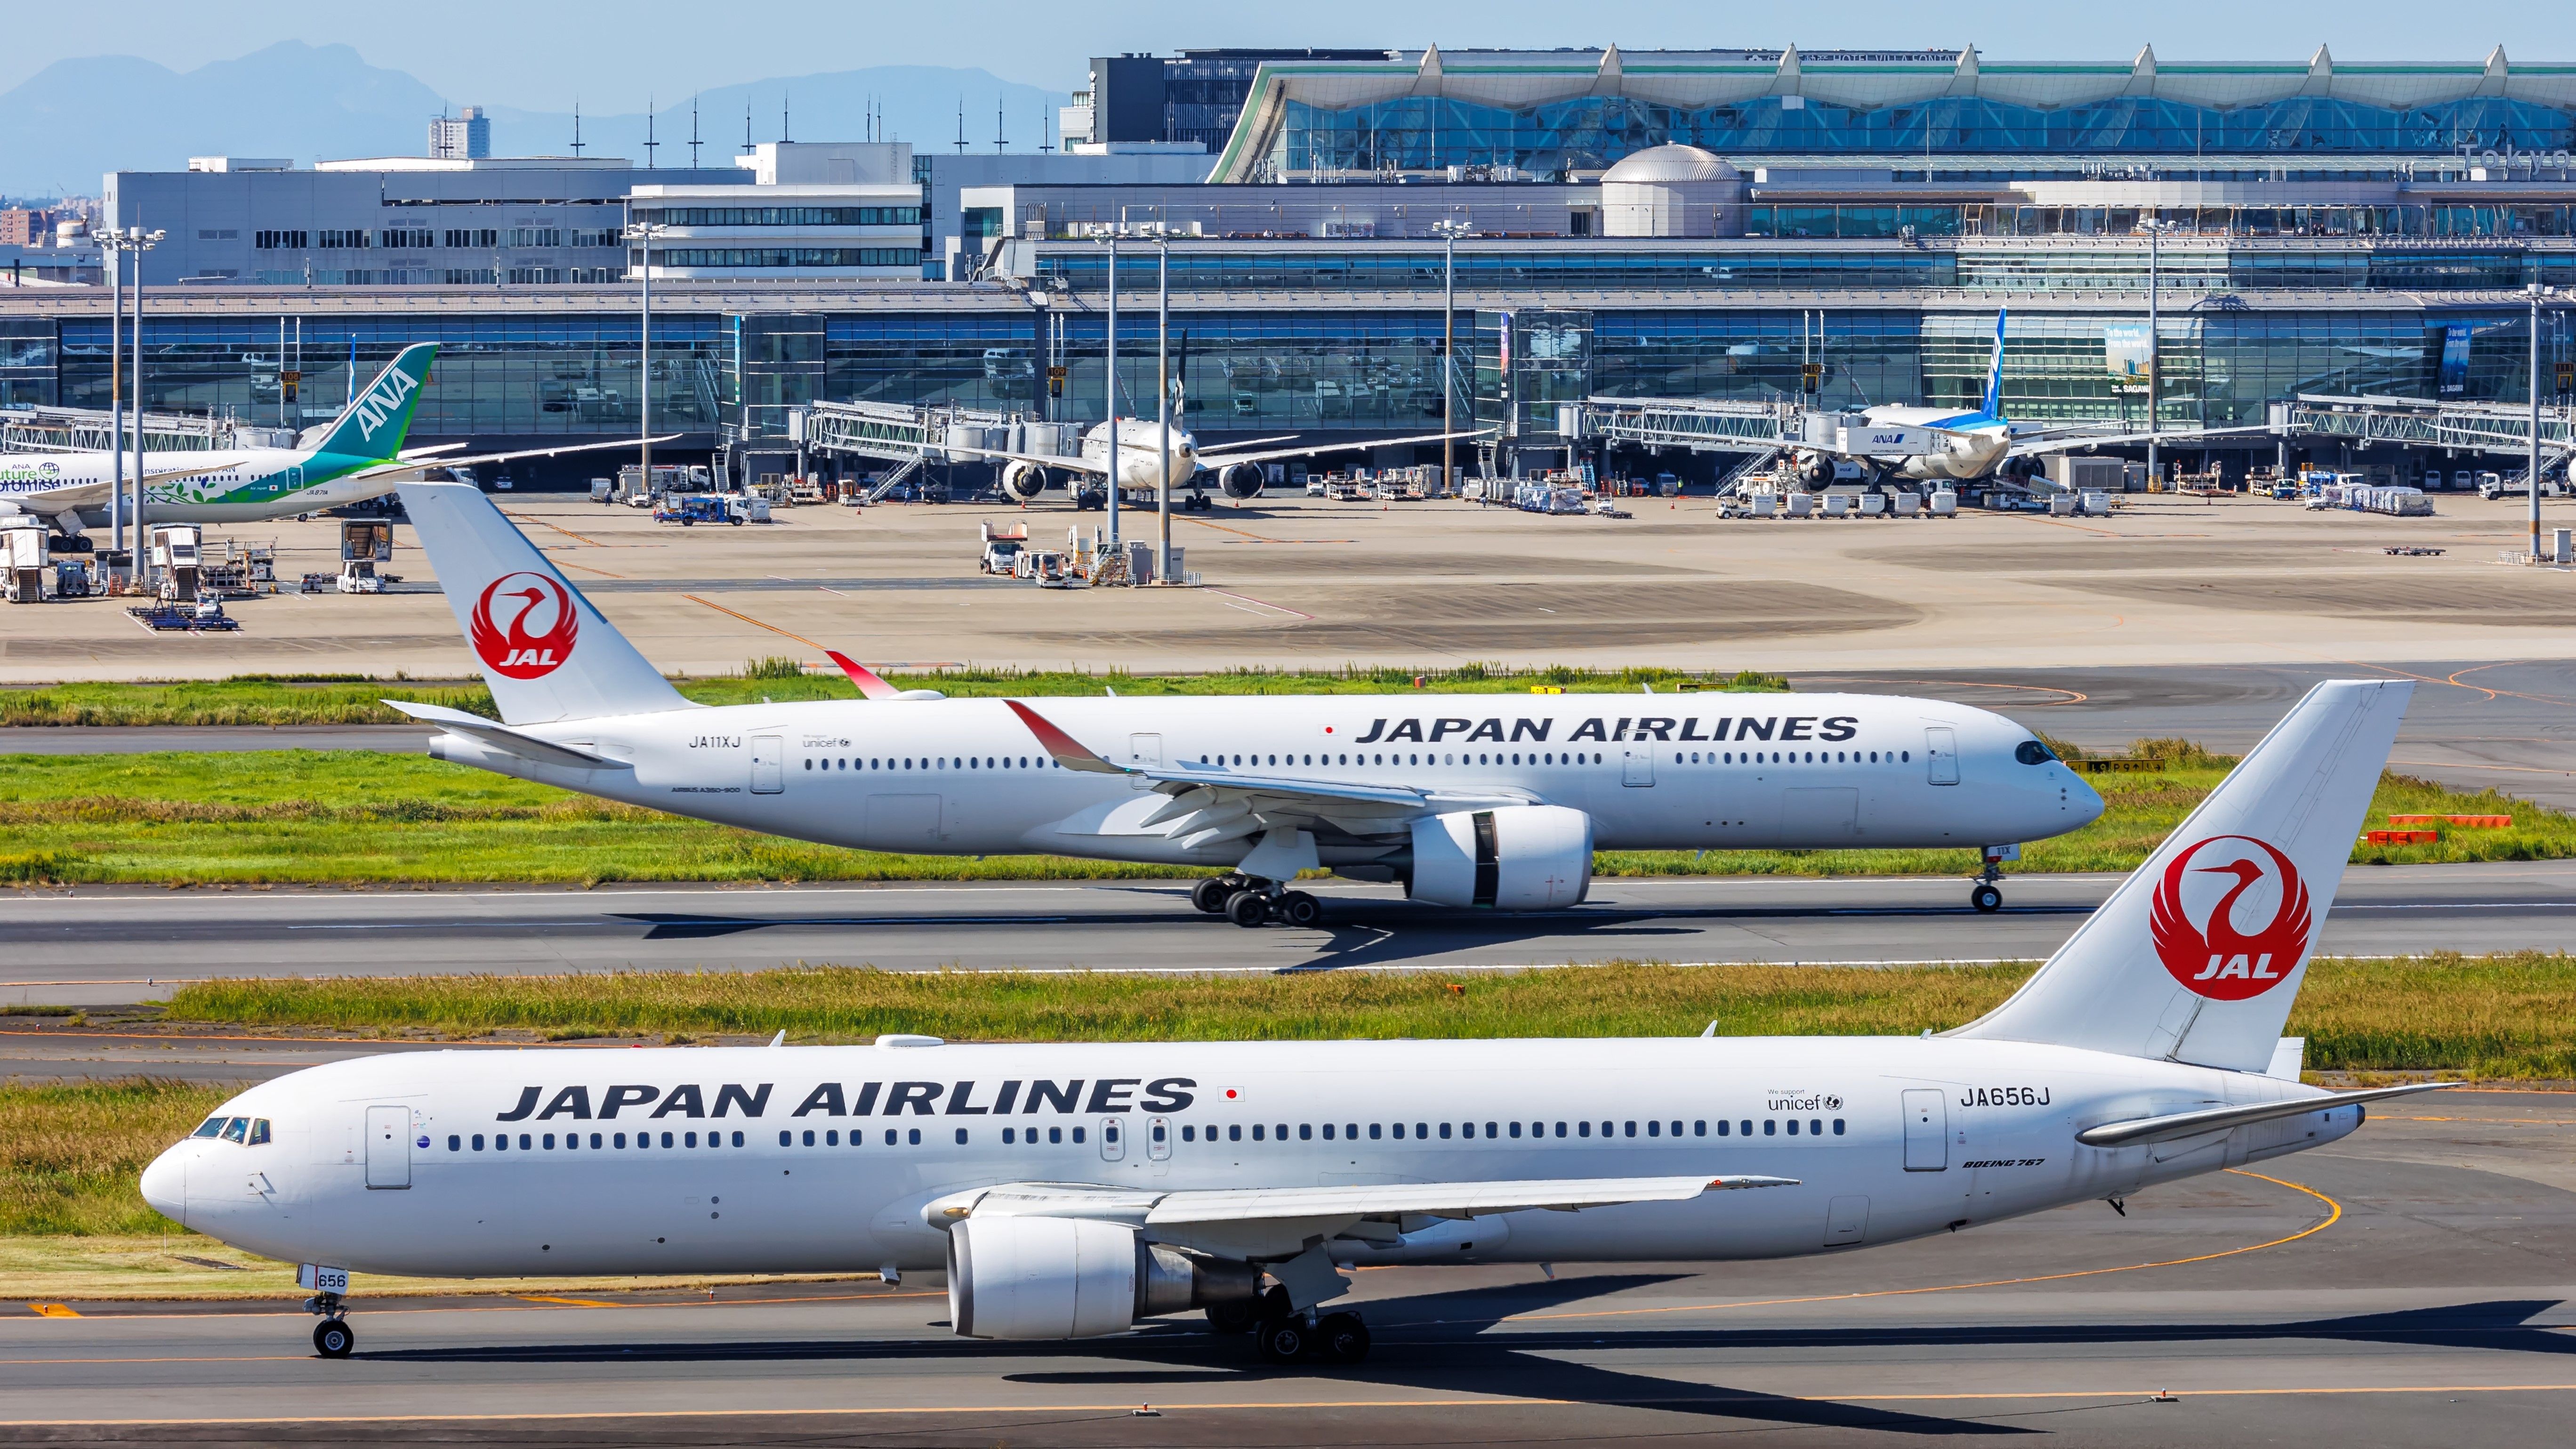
point(2536, 293)
point(1449, 230)
point(116, 243)
point(1110, 372)
point(114, 255)
point(1163, 392)
point(645, 232)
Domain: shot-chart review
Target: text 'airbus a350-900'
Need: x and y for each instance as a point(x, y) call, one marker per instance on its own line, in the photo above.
point(1071, 1190)
point(1469, 801)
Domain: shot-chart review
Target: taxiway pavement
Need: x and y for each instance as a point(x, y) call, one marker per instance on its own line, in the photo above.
point(2409, 1285)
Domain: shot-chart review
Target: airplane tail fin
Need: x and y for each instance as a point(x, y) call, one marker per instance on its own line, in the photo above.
point(543, 648)
point(373, 426)
point(2198, 956)
point(1993, 404)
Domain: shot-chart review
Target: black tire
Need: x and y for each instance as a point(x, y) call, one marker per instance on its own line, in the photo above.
point(1281, 1340)
point(1248, 908)
point(1342, 1338)
point(1211, 896)
point(1986, 899)
point(1301, 910)
point(1232, 1317)
point(332, 1338)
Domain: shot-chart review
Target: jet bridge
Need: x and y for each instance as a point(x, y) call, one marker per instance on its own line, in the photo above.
point(2420, 423)
point(52, 429)
point(1701, 426)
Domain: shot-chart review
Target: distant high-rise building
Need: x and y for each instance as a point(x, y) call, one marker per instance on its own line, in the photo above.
point(466, 137)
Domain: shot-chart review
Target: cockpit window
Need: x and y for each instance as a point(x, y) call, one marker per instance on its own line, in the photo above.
point(2032, 752)
point(258, 1132)
point(214, 1127)
point(236, 1128)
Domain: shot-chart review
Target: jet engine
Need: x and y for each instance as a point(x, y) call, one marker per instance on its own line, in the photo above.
point(1038, 1278)
point(1241, 480)
point(1023, 481)
point(1516, 858)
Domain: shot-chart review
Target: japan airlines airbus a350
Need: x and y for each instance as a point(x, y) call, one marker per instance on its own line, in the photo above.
point(1075, 1190)
point(1468, 800)
point(359, 456)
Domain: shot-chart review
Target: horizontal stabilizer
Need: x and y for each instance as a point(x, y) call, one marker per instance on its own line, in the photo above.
point(2174, 1125)
point(498, 736)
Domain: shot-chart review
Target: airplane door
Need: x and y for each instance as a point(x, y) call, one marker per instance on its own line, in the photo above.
point(388, 1147)
point(1927, 1131)
point(1846, 1221)
point(1637, 768)
point(768, 764)
point(1113, 1140)
point(1941, 755)
point(1158, 1138)
point(1145, 750)
point(294, 476)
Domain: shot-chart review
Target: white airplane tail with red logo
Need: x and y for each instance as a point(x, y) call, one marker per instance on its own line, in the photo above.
point(2197, 957)
point(547, 654)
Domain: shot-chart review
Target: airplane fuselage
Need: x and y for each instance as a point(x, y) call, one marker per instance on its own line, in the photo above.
point(242, 485)
point(1140, 453)
point(821, 1159)
point(1667, 771)
point(1972, 444)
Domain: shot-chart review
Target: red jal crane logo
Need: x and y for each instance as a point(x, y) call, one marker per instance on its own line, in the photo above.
point(2198, 918)
point(516, 649)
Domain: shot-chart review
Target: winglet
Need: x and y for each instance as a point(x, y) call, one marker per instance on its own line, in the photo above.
point(1067, 751)
point(871, 684)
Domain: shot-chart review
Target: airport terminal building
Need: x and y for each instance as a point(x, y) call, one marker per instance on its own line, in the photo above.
point(1643, 224)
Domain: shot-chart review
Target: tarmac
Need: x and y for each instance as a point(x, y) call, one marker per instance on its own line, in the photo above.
point(2406, 1286)
point(1289, 580)
point(105, 945)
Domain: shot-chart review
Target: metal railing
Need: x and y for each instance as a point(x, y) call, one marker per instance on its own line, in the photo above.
point(44, 429)
point(1727, 427)
point(2416, 422)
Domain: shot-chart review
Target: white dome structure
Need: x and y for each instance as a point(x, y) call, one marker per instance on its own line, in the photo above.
point(1672, 191)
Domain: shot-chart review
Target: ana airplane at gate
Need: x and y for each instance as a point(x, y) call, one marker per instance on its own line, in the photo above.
point(1075, 1190)
point(1468, 800)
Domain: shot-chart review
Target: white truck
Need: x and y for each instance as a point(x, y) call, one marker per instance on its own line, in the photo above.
point(23, 557)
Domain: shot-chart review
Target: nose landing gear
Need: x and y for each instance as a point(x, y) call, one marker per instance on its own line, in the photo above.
point(332, 1337)
point(1987, 895)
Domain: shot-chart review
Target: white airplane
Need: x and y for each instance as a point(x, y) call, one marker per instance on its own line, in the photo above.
point(1140, 459)
point(1945, 445)
point(1468, 800)
point(358, 456)
point(1075, 1190)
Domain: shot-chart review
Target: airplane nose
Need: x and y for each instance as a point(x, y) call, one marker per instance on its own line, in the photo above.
point(2083, 799)
point(165, 1186)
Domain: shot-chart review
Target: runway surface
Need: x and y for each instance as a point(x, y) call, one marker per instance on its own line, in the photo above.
point(105, 945)
point(2407, 1286)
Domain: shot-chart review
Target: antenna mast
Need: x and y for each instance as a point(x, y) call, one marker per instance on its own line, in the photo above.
point(693, 133)
point(576, 129)
point(649, 142)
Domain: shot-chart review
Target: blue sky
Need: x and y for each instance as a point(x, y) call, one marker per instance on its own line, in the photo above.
point(545, 56)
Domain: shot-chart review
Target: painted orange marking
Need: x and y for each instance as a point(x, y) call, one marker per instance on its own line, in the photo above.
point(52, 1310)
point(557, 527)
point(755, 623)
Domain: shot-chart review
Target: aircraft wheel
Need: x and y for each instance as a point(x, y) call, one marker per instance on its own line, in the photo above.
point(332, 1338)
point(1248, 908)
point(1343, 1338)
point(1986, 899)
point(1280, 1340)
point(1211, 895)
point(1300, 909)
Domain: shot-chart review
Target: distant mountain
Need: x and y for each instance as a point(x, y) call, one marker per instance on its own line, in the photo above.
point(66, 126)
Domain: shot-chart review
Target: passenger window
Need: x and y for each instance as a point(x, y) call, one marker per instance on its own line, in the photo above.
point(1328, 1131)
point(1722, 1126)
point(1444, 1131)
point(809, 1136)
point(1077, 1135)
point(1374, 1129)
point(1491, 1132)
point(1054, 1134)
point(889, 1137)
point(1582, 1129)
point(1748, 1126)
point(1560, 1129)
point(1256, 1132)
point(1698, 1129)
point(1815, 1127)
point(830, 1139)
point(478, 1141)
point(1007, 1136)
point(1793, 1126)
point(1632, 1129)
point(455, 1143)
point(913, 1137)
point(1654, 1129)
point(619, 1141)
point(550, 1142)
point(666, 1140)
point(1234, 1133)
point(1423, 1129)
point(1305, 1131)
point(1770, 1128)
point(961, 1136)
point(1189, 1132)
point(259, 1132)
point(1516, 1130)
point(500, 1141)
point(236, 1129)
point(523, 1141)
point(1838, 1126)
point(211, 1127)
point(1677, 1130)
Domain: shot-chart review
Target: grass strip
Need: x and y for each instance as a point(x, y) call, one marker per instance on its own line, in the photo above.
point(254, 699)
point(71, 1154)
point(354, 817)
point(2492, 1016)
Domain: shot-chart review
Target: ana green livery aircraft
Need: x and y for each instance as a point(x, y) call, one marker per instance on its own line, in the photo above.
point(359, 456)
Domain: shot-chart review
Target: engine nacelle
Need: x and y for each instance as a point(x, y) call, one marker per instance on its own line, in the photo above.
point(1241, 480)
point(1042, 1278)
point(1517, 858)
point(1023, 481)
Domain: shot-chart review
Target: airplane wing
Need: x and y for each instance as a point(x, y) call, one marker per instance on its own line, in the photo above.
point(414, 462)
point(2166, 435)
point(1078, 465)
point(492, 734)
point(1306, 1205)
point(1228, 460)
point(1218, 803)
point(2173, 1125)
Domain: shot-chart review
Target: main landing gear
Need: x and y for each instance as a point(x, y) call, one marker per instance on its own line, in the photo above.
point(332, 1337)
point(1335, 1338)
point(1250, 901)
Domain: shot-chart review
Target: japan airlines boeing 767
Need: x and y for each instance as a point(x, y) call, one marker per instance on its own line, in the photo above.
point(1074, 1190)
point(1468, 800)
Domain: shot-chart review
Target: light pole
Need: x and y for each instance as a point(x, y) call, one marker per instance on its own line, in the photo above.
point(138, 241)
point(1110, 374)
point(112, 251)
point(1449, 230)
point(646, 232)
point(1163, 392)
point(2537, 293)
point(2155, 228)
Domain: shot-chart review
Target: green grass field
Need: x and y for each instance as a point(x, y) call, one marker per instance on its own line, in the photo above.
point(2502, 1016)
point(309, 816)
point(354, 699)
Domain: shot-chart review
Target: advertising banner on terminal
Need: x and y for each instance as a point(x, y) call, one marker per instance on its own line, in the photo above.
point(2454, 380)
point(2125, 353)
